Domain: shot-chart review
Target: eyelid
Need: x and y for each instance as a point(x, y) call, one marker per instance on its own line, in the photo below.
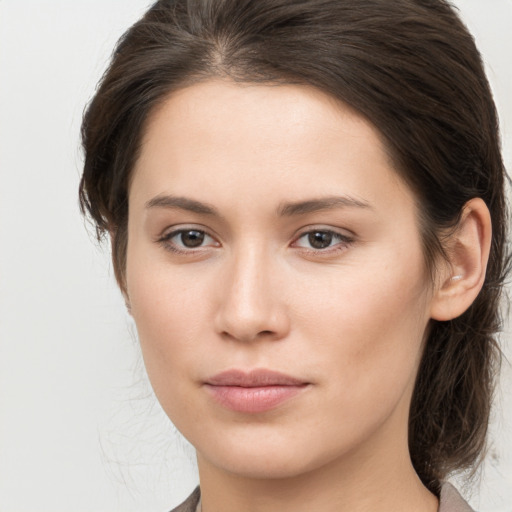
point(171, 231)
point(343, 232)
point(345, 238)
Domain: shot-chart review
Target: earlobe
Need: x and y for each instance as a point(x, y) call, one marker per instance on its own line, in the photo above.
point(468, 252)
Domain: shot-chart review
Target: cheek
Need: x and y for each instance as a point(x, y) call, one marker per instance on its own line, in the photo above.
point(170, 317)
point(169, 327)
point(371, 311)
point(370, 335)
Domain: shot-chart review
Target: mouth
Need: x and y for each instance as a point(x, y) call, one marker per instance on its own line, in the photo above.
point(253, 392)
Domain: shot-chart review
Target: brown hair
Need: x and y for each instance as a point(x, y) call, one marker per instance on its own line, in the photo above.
point(412, 69)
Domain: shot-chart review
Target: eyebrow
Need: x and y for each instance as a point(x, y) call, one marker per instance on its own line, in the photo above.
point(183, 203)
point(284, 210)
point(320, 204)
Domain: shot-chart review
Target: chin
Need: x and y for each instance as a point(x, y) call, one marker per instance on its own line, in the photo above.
point(264, 458)
point(271, 466)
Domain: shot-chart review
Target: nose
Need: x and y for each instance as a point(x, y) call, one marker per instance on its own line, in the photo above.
point(251, 304)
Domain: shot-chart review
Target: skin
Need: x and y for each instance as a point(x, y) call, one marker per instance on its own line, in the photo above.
point(349, 320)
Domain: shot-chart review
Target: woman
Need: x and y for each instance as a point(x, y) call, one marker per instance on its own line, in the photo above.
point(306, 208)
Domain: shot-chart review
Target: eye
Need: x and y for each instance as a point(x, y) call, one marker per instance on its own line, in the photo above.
point(183, 240)
point(322, 239)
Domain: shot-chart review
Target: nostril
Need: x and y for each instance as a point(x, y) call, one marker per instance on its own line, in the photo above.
point(266, 334)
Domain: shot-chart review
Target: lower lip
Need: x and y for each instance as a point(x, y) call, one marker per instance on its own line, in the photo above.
point(253, 400)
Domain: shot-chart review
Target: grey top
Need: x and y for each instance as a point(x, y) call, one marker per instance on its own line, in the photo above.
point(449, 501)
point(190, 504)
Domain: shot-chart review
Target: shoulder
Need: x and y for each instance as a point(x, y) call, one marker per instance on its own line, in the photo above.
point(190, 504)
point(451, 501)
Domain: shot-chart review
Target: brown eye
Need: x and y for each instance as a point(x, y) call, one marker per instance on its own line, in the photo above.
point(192, 238)
point(320, 239)
point(186, 240)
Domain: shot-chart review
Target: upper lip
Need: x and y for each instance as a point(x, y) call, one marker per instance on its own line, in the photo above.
point(254, 378)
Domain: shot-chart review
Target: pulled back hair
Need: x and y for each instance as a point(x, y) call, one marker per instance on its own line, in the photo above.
point(408, 66)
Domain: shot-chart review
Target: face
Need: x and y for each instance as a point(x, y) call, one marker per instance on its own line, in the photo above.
point(276, 278)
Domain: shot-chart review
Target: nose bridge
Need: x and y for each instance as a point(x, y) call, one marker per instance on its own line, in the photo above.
point(251, 306)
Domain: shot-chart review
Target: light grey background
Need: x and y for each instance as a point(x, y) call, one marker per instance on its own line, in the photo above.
point(79, 427)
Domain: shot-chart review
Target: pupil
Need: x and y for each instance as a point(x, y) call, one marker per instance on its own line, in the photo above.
point(320, 239)
point(192, 238)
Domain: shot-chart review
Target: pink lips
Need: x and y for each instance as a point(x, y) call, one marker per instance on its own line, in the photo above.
point(253, 392)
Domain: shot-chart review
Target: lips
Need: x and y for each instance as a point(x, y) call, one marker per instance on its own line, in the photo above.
point(253, 392)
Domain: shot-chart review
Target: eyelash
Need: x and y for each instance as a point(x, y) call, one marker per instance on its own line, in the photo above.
point(166, 240)
point(343, 241)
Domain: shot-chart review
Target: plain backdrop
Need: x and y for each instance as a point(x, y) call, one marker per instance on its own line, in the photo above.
point(79, 427)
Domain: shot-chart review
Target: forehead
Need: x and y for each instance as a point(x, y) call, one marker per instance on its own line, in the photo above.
point(245, 138)
point(267, 114)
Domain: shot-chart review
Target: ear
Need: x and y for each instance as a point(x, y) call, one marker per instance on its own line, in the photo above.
point(468, 252)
